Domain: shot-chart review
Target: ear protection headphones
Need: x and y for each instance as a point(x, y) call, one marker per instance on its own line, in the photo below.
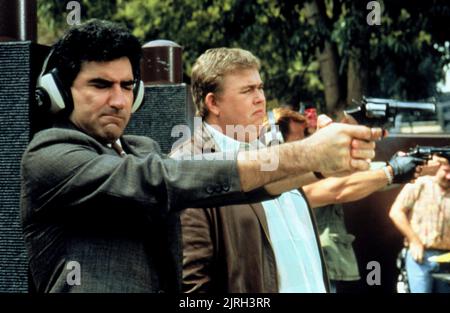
point(51, 94)
point(274, 136)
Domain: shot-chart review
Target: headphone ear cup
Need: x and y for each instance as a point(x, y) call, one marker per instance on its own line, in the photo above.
point(138, 96)
point(42, 98)
point(51, 92)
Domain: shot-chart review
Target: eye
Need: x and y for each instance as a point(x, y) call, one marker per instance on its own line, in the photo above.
point(128, 86)
point(101, 85)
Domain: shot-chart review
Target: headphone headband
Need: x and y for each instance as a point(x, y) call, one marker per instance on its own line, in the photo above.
point(52, 95)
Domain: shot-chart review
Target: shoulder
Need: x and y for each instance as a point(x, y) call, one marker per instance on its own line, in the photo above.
point(141, 144)
point(411, 191)
point(425, 183)
point(55, 136)
point(58, 147)
point(424, 180)
point(56, 132)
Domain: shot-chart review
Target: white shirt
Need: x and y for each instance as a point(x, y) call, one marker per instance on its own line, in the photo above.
point(292, 234)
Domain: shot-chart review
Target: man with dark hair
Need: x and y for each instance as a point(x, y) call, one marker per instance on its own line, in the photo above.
point(99, 208)
point(95, 41)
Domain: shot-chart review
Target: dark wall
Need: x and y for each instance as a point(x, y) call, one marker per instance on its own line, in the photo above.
point(377, 239)
point(19, 64)
point(164, 107)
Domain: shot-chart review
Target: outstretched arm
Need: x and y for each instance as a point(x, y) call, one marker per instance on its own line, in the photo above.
point(332, 150)
point(401, 169)
point(345, 189)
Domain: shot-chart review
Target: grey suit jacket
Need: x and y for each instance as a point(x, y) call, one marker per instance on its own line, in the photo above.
point(117, 218)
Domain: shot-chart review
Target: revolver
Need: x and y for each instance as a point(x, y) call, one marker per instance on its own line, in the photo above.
point(377, 112)
point(426, 152)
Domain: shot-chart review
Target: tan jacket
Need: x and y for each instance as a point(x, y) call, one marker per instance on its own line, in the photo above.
point(226, 249)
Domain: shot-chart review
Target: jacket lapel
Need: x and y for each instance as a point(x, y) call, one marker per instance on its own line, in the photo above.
point(204, 141)
point(259, 212)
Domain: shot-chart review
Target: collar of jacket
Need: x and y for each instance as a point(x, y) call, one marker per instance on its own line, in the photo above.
point(203, 141)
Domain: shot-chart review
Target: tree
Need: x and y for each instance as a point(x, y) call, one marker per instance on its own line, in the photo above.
point(397, 58)
point(402, 57)
point(318, 51)
point(52, 16)
point(270, 29)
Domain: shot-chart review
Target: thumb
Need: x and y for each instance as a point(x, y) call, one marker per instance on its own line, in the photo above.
point(358, 132)
point(323, 120)
point(348, 119)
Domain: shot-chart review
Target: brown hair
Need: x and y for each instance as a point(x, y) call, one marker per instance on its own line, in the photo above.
point(282, 118)
point(210, 69)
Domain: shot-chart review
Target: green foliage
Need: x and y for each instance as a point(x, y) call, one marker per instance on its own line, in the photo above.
point(52, 16)
point(404, 55)
point(408, 54)
point(270, 29)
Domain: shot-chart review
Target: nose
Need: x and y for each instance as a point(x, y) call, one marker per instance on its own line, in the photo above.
point(117, 98)
point(260, 97)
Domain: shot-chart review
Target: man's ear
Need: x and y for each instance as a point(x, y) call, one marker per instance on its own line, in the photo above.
point(211, 104)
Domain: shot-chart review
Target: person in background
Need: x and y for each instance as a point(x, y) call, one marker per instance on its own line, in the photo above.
point(327, 195)
point(421, 212)
point(311, 119)
point(100, 209)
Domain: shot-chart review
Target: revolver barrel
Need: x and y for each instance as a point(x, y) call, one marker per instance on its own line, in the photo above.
point(402, 105)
